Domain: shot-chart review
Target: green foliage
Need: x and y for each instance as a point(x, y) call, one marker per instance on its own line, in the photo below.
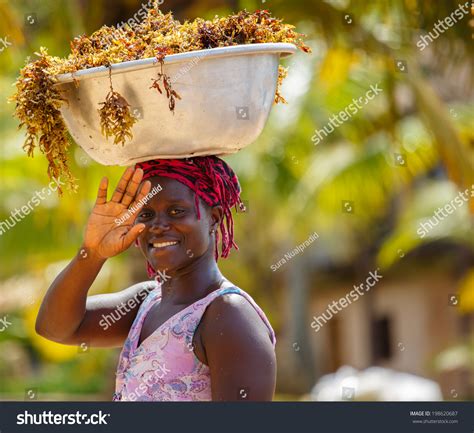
point(293, 187)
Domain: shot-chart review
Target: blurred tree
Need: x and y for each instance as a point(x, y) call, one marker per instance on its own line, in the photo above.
point(293, 188)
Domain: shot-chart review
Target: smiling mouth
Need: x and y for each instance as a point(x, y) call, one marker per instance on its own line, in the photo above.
point(163, 244)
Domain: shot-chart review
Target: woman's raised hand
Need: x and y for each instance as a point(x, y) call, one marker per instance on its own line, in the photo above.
point(110, 229)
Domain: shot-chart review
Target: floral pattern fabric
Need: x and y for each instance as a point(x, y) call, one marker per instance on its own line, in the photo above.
point(164, 366)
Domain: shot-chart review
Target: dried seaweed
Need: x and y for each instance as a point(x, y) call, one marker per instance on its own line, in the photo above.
point(37, 107)
point(115, 117)
point(38, 102)
point(282, 74)
point(171, 94)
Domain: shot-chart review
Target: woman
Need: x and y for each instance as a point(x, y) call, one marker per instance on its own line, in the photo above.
point(188, 334)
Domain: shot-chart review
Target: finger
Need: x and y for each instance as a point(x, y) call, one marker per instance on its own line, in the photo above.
point(132, 235)
point(122, 185)
point(132, 187)
point(102, 192)
point(139, 201)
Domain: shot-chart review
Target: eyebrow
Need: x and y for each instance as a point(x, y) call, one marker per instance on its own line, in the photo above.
point(178, 201)
point(170, 202)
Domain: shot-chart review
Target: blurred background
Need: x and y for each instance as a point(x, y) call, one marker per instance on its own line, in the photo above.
point(365, 189)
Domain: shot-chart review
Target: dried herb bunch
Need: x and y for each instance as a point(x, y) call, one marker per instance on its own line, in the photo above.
point(115, 117)
point(37, 106)
point(38, 101)
point(171, 94)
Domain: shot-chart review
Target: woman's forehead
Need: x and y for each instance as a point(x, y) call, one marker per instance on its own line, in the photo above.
point(171, 189)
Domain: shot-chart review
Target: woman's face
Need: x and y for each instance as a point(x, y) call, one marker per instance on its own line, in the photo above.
point(170, 217)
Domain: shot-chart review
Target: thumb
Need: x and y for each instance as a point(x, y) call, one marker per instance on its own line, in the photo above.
point(133, 234)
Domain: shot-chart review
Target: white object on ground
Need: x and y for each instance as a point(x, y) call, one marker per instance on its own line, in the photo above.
point(374, 384)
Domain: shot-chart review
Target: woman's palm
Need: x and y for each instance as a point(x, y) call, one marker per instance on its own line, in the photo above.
point(110, 229)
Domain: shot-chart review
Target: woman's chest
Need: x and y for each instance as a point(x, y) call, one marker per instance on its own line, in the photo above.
point(181, 323)
point(157, 316)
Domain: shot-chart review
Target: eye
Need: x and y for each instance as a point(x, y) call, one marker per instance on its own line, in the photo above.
point(145, 214)
point(176, 211)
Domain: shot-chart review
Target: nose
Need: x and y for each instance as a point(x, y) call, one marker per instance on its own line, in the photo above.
point(159, 224)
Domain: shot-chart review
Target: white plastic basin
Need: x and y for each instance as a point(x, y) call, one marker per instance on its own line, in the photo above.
point(227, 94)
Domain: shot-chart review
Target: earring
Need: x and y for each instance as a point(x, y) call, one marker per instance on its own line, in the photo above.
point(212, 231)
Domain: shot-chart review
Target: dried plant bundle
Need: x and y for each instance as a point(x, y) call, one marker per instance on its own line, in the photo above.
point(38, 101)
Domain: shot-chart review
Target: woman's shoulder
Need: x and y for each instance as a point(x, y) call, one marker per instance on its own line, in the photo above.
point(233, 308)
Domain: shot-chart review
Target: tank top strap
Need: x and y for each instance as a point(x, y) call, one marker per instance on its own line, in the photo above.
point(131, 342)
point(226, 288)
point(153, 297)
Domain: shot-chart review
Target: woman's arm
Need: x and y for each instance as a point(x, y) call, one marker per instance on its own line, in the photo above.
point(67, 315)
point(238, 350)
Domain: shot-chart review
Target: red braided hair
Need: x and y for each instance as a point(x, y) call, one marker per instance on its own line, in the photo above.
point(212, 180)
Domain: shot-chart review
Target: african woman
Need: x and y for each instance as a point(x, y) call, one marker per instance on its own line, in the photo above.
point(187, 334)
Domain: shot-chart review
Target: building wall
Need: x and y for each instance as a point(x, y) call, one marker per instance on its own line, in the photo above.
point(422, 323)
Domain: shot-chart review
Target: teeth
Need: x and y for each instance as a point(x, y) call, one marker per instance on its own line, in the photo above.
point(164, 244)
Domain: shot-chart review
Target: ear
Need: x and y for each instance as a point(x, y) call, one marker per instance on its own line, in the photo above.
point(217, 213)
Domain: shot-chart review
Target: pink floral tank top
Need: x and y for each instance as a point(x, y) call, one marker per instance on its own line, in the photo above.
point(164, 367)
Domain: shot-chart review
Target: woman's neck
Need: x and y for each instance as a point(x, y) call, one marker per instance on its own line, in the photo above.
point(193, 282)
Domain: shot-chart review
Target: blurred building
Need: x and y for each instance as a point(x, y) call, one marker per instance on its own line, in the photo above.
point(409, 321)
